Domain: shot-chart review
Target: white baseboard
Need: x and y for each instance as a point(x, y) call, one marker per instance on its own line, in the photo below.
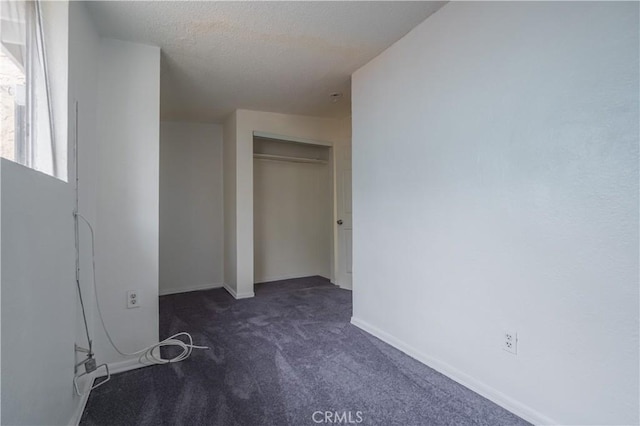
point(506, 402)
point(167, 291)
point(236, 295)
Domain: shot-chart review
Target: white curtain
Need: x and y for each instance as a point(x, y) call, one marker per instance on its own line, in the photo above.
point(23, 42)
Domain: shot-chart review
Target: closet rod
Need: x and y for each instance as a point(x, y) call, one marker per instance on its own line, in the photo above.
point(291, 159)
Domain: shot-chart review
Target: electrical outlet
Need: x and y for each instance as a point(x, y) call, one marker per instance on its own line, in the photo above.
point(133, 301)
point(510, 342)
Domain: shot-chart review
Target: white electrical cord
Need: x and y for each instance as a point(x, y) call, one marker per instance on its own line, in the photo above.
point(146, 353)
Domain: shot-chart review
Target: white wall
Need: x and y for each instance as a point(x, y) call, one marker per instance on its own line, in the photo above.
point(292, 220)
point(191, 208)
point(83, 74)
point(502, 140)
point(115, 166)
point(241, 126)
point(229, 204)
point(127, 228)
point(38, 311)
point(1, 387)
point(1, 293)
point(40, 314)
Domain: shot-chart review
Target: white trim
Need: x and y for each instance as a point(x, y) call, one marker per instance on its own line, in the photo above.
point(236, 295)
point(506, 402)
point(267, 135)
point(86, 390)
point(167, 291)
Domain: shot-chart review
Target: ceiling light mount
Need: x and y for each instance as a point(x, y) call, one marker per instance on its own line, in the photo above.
point(335, 97)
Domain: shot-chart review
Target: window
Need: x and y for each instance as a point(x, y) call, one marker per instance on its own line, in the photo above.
point(26, 116)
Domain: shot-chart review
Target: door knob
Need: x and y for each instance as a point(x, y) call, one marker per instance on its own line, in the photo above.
point(339, 222)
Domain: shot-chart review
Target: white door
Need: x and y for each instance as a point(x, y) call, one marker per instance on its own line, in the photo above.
point(344, 220)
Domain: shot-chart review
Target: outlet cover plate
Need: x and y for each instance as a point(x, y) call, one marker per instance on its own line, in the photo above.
point(510, 342)
point(133, 299)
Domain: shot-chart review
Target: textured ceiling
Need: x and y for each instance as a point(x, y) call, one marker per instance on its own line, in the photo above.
point(270, 56)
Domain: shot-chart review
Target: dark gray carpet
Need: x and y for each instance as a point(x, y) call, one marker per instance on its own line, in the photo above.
point(278, 358)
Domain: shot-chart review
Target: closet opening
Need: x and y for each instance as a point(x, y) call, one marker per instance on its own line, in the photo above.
point(292, 213)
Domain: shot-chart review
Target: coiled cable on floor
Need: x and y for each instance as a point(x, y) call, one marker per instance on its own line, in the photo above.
point(150, 354)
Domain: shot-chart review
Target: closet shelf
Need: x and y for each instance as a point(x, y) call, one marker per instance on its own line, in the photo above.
point(287, 158)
